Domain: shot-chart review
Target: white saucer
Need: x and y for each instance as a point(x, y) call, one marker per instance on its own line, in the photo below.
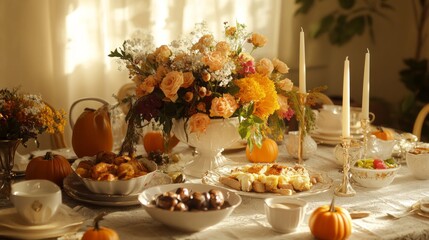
point(63, 222)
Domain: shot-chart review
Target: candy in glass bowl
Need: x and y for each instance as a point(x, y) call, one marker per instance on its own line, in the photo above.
point(374, 173)
point(107, 173)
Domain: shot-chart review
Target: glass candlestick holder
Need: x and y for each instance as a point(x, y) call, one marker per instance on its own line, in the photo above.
point(365, 123)
point(302, 126)
point(345, 189)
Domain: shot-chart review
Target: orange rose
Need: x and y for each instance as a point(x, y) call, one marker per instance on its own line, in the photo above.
point(230, 31)
point(215, 60)
point(198, 123)
point(280, 66)
point(146, 87)
point(223, 47)
point(285, 84)
point(188, 79)
point(258, 40)
point(223, 106)
point(284, 106)
point(161, 72)
point(203, 43)
point(264, 66)
point(162, 54)
point(171, 84)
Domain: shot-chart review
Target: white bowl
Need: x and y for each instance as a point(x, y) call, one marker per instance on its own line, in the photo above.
point(374, 178)
point(285, 214)
point(418, 162)
point(189, 221)
point(36, 201)
point(121, 187)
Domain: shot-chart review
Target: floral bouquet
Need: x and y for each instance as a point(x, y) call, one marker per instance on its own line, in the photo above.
point(199, 78)
point(24, 116)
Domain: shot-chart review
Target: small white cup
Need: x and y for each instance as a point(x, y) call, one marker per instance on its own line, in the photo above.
point(285, 214)
point(36, 201)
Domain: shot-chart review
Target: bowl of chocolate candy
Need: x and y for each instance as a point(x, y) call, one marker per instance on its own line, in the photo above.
point(189, 207)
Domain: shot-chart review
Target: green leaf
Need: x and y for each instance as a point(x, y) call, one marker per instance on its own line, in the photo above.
point(305, 7)
point(356, 25)
point(324, 26)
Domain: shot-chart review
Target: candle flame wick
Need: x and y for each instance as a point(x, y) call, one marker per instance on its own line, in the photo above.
point(347, 58)
point(302, 30)
point(367, 50)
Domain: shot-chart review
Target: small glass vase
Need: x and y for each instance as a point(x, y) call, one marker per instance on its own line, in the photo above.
point(220, 133)
point(7, 156)
point(309, 145)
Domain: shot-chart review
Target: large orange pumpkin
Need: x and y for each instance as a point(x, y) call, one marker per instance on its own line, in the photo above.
point(330, 222)
point(51, 167)
point(266, 154)
point(92, 132)
point(100, 233)
point(154, 141)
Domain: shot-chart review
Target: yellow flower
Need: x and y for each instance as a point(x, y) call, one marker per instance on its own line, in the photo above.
point(250, 90)
point(171, 84)
point(261, 90)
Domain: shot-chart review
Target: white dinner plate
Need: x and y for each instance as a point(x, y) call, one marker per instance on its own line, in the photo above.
point(237, 146)
point(212, 178)
point(63, 222)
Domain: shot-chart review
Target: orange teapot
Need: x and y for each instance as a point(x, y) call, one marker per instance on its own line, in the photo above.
point(92, 131)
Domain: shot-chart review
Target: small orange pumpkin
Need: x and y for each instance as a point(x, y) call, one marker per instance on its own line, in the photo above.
point(330, 222)
point(154, 141)
point(266, 154)
point(384, 133)
point(51, 167)
point(98, 232)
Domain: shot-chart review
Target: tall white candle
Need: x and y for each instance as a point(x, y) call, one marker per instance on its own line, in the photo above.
point(346, 100)
point(302, 87)
point(365, 89)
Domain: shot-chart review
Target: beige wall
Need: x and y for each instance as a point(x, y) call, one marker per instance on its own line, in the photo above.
point(395, 41)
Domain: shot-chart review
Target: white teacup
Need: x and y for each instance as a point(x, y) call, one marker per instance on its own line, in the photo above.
point(328, 118)
point(285, 214)
point(418, 162)
point(36, 201)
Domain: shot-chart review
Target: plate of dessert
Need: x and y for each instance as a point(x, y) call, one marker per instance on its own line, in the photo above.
point(269, 180)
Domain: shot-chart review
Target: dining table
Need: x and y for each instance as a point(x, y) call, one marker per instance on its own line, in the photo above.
point(248, 220)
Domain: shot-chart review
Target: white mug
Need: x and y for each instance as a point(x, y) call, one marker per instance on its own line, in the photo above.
point(36, 201)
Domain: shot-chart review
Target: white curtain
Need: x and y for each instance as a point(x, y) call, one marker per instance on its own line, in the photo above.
point(59, 48)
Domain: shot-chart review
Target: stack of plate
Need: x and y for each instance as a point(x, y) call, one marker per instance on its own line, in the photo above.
point(65, 221)
point(333, 137)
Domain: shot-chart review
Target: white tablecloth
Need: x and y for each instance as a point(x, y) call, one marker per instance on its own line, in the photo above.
point(248, 221)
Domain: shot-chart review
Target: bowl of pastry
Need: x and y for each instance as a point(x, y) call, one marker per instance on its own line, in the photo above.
point(189, 207)
point(374, 173)
point(107, 173)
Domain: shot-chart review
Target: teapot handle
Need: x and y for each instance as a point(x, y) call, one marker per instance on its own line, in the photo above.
point(81, 100)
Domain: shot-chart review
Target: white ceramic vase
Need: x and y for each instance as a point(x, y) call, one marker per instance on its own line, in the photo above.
point(309, 145)
point(220, 133)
